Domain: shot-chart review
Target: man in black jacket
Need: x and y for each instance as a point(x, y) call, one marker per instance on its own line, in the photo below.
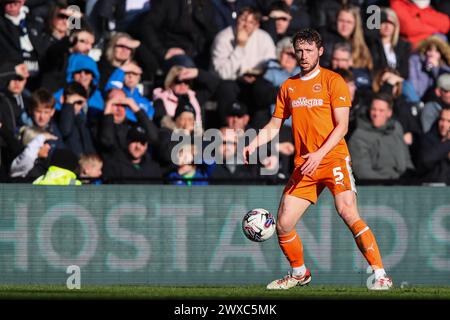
point(134, 165)
point(114, 125)
point(22, 37)
point(435, 151)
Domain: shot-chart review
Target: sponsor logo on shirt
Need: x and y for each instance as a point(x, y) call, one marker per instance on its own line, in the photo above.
point(304, 102)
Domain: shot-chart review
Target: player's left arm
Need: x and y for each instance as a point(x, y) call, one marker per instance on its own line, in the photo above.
point(341, 116)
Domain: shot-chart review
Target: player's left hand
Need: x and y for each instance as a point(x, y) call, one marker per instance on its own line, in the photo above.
point(313, 160)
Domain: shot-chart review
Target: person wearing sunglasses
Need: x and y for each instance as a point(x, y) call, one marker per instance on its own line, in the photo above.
point(278, 20)
point(119, 51)
point(128, 78)
point(83, 70)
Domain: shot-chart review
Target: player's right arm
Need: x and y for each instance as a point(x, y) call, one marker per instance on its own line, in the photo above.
point(265, 135)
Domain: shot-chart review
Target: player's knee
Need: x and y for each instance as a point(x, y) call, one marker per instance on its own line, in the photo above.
point(347, 209)
point(283, 227)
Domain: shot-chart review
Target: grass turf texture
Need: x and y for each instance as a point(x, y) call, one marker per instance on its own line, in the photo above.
point(224, 292)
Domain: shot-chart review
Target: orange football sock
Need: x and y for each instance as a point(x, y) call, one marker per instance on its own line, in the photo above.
point(292, 248)
point(367, 244)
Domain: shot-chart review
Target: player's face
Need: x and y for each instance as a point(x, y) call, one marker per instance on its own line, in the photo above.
point(307, 55)
point(380, 113)
point(444, 124)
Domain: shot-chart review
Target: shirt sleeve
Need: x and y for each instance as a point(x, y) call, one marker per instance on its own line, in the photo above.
point(282, 109)
point(340, 95)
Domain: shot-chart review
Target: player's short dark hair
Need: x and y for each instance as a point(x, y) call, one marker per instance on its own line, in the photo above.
point(386, 97)
point(309, 35)
point(42, 97)
point(75, 88)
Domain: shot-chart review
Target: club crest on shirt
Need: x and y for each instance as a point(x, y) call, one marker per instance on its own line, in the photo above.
point(317, 87)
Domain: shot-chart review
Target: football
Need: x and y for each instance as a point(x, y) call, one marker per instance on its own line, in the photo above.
point(258, 225)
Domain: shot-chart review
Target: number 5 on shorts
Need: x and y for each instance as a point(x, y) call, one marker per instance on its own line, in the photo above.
point(338, 175)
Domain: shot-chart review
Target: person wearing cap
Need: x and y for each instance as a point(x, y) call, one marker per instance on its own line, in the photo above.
point(120, 50)
point(386, 46)
point(432, 108)
point(183, 123)
point(127, 77)
point(135, 164)
point(114, 124)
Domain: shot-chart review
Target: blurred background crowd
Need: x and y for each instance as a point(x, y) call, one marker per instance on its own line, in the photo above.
point(92, 91)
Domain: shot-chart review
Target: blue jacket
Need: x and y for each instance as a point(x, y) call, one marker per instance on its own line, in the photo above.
point(276, 75)
point(116, 81)
point(77, 62)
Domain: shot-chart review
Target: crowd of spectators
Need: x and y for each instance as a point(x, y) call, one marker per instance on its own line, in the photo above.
point(92, 91)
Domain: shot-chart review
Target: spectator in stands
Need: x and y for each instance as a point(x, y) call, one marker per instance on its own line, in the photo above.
point(42, 111)
point(58, 22)
point(389, 81)
point(226, 11)
point(229, 163)
point(418, 20)
point(56, 60)
point(239, 50)
point(119, 51)
point(178, 31)
point(14, 103)
point(431, 110)
point(181, 125)
point(90, 168)
point(73, 122)
point(134, 165)
point(342, 59)
point(377, 146)
point(239, 56)
point(127, 78)
point(21, 38)
point(83, 70)
point(431, 60)
point(178, 83)
point(33, 161)
point(348, 29)
point(300, 17)
point(186, 172)
point(434, 162)
point(62, 171)
point(386, 46)
point(278, 20)
point(114, 125)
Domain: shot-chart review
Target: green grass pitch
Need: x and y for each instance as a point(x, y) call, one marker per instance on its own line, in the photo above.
point(224, 292)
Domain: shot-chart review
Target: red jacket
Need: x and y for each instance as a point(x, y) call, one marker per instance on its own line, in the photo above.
point(418, 24)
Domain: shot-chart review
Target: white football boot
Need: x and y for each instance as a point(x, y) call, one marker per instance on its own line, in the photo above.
point(290, 281)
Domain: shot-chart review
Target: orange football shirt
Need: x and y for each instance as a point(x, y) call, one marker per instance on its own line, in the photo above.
point(310, 101)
